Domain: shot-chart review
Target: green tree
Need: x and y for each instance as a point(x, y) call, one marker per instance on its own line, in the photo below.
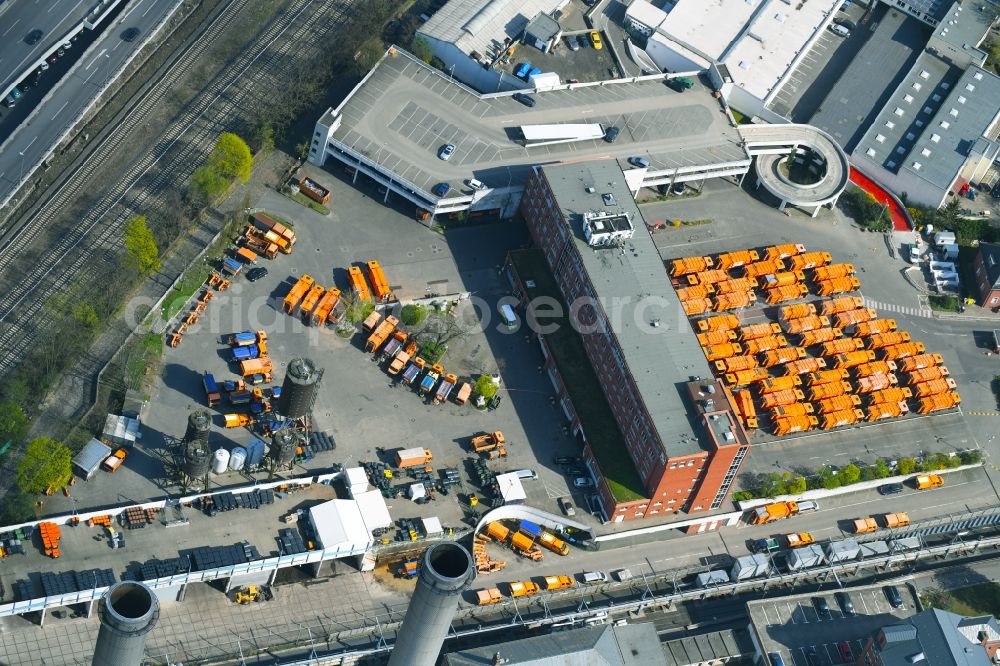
point(13, 423)
point(828, 478)
point(906, 466)
point(231, 157)
point(46, 464)
point(971, 457)
point(422, 49)
point(85, 315)
point(850, 474)
point(206, 185)
point(413, 314)
point(143, 254)
point(357, 311)
point(796, 485)
point(16, 507)
point(485, 386)
point(772, 485)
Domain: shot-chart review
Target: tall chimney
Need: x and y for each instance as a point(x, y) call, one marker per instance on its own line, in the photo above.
point(446, 571)
point(128, 612)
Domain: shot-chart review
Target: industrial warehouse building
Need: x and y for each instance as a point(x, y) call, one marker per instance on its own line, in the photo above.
point(676, 423)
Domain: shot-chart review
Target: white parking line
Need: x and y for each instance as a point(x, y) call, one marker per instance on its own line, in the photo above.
point(863, 603)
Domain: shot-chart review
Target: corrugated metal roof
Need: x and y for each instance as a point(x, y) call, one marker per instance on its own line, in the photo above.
point(481, 25)
point(90, 457)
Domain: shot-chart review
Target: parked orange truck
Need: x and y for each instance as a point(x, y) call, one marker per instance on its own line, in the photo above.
point(873, 383)
point(809, 260)
point(256, 366)
point(781, 356)
point(925, 481)
point(791, 424)
point(553, 543)
point(885, 410)
point(524, 546)
point(891, 394)
point(833, 271)
point(865, 525)
point(754, 331)
point(775, 280)
point(734, 286)
point(763, 267)
point(804, 366)
point(707, 277)
point(841, 346)
point(716, 338)
point(696, 306)
point(413, 457)
point(876, 326)
point(380, 286)
point(736, 259)
point(837, 286)
point(736, 363)
point(882, 340)
point(852, 317)
point(808, 323)
point(779, 510)
point(927, 374)
point(842, 418)
point(789, 293)
point(523, 589)
point(488, 596)
point(902, 351)
point(797, 311)
point(688, 265)
point(498, 531)
point(852, 359)
point(794, 409)
point(745, 377)
point(842, 304)
point(358, 284)
point(321, 315)
point(874, 368)
point(838, 403)
point(818, 336)
point(900, 519)
point(745, 406)
point(723, 322)
point(725, 350)
point(778, 398)
point(783, 251)
point(697, 291)
point(310, 302)
point(299, 289)
point(799, 539)
point(761, 345)
point(933, 387)
point(831, 390)
point(773, 384)
point(918, 362)
point(826, 376)
point(381, 334)
point(741, 299)
point(558, 582)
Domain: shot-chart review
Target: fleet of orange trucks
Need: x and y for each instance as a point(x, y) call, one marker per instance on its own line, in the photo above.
point(852, 317)
point(876, 326)
point(791, 424)
point(925, 481)
point(761, 345)
point(833, 271)
point(381, 334)
point(688, 265)
point(299, 289)
point(918, 362)
point(723, 322)
point(778, 510)
point(321, 315)
point(755, 331)
point(842, 304)
point(558, 582)
point(745, 377)
point(380, 286)
point(783, 251)
point(358, 284)
point(780, 356)
point(310, 302)
point(818, 336)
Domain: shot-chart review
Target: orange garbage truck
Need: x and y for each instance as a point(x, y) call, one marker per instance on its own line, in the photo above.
point(381, 334)
point(297, 292)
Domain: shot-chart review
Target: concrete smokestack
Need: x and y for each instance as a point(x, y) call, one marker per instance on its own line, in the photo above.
point(446, 571)
point(128, 612)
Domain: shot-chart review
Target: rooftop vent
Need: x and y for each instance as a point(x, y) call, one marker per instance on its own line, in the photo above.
point(609, 199)
point(916, 658)
point(607, 229)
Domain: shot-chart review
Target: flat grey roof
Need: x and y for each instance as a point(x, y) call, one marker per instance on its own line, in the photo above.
point(963, 27)
point(874, 73)
point(635, 292)
point(404, 111)
point(707, 648)
point(895, 131)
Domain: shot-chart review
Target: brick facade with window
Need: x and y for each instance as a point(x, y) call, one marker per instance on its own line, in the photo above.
point(987, 271)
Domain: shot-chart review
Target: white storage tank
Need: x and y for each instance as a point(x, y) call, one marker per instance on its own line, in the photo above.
point(220, 461)
point(237, 458)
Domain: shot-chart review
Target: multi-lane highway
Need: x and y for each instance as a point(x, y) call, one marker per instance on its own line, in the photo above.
point(41, 132)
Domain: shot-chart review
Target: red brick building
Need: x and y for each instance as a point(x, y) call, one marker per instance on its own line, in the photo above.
point(677, 432)
point(987, 268)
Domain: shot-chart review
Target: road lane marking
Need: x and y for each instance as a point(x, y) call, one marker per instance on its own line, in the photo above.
point(12, 26)
point(96, 58)
point(60, 109)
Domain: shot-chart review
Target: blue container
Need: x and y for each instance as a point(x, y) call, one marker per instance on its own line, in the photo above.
point(531, 528)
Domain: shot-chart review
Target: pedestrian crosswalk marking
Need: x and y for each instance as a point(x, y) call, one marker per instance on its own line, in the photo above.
point(982, 413)
point(922, 311)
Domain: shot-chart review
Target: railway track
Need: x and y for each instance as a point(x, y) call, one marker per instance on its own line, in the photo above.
point(181, 147)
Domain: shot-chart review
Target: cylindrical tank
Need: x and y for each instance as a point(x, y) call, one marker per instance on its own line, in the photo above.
point(283, 445)
point(220, 461)
point(300, 387)
point(128, 612)
point(198, 427)
point(237, 458)
point(197, 459)
point(446, 572)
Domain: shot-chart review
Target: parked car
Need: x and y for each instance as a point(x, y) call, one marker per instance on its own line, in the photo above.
point(130, 34)
point(565, 460)
point(33, 37)
point(776, 659)
point(572, 43)
point(850, 25)
point(475, 184)
point(566, 506)
point(522, 70)
point(845, 652)
point(893, 596)
point(255, 274)
point(890, 488)
point(527, 100)
point(441, 189)
point(10, 101)
point(595, 40)
point(640, 162)
point(812, 657)
point(582, 482)
point(52, 59)
point(16, 92)
point(526, 474)
point(595, 577)
point(845, 603)
point(678, 188)
point(838, 29)
point(611, 134)
point(822, 607)
point(446, 151)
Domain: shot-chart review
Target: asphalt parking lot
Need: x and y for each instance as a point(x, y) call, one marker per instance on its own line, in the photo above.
point(793, 627)
point(584, 64)
point(359, 404)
